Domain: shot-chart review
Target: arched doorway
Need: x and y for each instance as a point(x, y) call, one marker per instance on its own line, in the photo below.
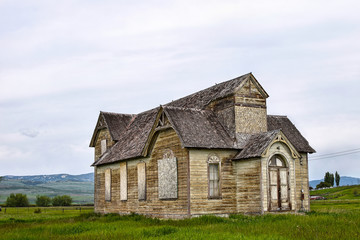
point(278, 184)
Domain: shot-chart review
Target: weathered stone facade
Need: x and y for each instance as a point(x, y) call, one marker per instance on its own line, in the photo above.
point(222, 155)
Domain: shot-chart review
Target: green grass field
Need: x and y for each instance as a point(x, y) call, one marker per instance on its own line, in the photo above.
point(336, 218)
point(328, 221)
point(344, 192)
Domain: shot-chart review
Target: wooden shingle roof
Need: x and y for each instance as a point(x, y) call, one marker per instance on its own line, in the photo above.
point(284, 124)
point(132, 141)
point(256, 145)
point(196, 126)
point(116, 123)
point(201, 99)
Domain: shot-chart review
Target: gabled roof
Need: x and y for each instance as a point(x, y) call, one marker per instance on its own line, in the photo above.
point(116, 123)
point(201, 99)
point(132, 142)
point(291, 132)
point(256, 145)
point(198, 128)
point(259, 144)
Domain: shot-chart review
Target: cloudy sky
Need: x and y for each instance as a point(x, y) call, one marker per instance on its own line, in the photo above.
point(61, 62)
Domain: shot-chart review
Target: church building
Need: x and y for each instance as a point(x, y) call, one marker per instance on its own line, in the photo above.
point(216, 151)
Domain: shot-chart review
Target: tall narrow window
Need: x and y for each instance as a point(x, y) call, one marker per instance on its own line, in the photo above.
point(108, 184)
point(214, 176)
point(141, 181)
point(123, 181)
point(103, 146)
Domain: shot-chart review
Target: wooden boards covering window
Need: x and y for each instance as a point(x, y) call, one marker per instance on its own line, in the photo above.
point(123, 181)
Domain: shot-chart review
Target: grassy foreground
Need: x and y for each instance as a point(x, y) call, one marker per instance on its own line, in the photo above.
point(334, 222)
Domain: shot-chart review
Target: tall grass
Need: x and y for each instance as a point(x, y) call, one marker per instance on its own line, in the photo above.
point(341, 224)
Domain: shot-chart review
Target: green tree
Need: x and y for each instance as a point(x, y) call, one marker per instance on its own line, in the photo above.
point(327, 177)
point(323, 185)
point(17, 200)
point(1, 178)
point(331, 179)
point(337, 178)
point(63, 200)
point(42, 201)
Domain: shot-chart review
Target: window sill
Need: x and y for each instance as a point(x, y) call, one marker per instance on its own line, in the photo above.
point(215, 198)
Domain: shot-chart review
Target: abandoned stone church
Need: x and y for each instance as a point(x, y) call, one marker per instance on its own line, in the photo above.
point(213, 152)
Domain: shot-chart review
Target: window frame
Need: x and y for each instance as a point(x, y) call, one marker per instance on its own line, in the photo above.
point(141, 169)
point(107, 185)
point(103, 146)
point(215, 161)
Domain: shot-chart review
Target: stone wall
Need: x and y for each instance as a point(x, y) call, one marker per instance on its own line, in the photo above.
point(101, 135)
point(250, 109)
point(250, 119)
point(151, 204)
point(199, 199)
point(248, 182)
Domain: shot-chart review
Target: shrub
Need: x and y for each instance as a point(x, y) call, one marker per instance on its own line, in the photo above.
point(356, 193)
point(323, 185)
point(37, 210)
point(63, 200)
point(17, 200)
point(42, 201)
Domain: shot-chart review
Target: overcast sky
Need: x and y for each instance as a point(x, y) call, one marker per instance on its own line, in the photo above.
point(61, 62)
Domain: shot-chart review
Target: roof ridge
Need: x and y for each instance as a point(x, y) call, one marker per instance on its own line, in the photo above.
point(114, 113)
point(217, 85)
point(272, 115)
point(184, 108)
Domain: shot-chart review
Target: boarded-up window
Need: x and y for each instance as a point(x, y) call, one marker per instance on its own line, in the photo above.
point(167, 176)
point(108, 184)
point(123, 181)
point(214, 180)
point(103, 146)
point(141, 181)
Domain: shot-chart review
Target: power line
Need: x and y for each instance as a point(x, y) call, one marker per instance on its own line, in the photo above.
point(356, 149)
point(337, 154)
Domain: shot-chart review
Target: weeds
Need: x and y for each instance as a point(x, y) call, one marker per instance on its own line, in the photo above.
point(339, 223)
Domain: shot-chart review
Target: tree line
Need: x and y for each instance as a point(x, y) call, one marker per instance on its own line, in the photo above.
point(329, 180)
point(21, 200)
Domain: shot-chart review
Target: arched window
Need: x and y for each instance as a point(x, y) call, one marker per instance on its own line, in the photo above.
point(277, 161)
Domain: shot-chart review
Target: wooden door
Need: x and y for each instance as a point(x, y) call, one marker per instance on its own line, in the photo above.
point(284, 189)
point(274, 189)
point(278, 189)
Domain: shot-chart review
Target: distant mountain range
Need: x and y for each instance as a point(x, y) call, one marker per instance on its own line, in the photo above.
point(87, 177)
point(344, 181)
point(79, 187)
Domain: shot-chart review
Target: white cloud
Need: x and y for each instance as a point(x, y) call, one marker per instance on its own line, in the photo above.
point(61, 62)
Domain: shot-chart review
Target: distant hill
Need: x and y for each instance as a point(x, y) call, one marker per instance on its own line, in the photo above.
point(87, 177)
point(79, 187)
point(344, 181)
point(339, 193)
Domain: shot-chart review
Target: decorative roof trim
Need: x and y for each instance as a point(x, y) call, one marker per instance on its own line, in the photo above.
point(96, 130)
point(155, 129)
point(251, 78)
point(280, 137)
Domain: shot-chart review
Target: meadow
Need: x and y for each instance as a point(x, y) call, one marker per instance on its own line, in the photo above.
point(326, 221)
point(81, 192)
